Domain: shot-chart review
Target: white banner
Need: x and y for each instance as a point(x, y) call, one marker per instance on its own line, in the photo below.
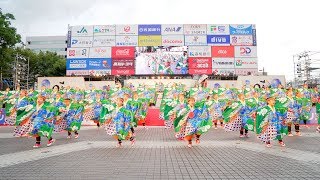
point(195, 29)
point(104, 30)
point(100, 52)
point(199, 51)
point(262, 81)
point(98, 84)
point(223, 71)
point(241, 40)
point(245, 72)
point(62, 82)
point(245, 51)
point(127, 29)
point(173, 40)
point(246, 63)
point(99, 41)
point(220, 63)
point(126, 40)
point(77, 52)
point(100, 72)
point(172, 29)
point(77, 72)
point(218, 29)
point(81, 31)
point(81, 42)
point(200, 40)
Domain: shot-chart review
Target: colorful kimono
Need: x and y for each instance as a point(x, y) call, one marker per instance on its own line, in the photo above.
point(43, 120)
point(305, 104)
point(74, 116)
point(23, 114)
point(173, 108)
point(269, 125)
point(191, 121)
point(215, 108)
point(290, 107)
point(138, 113)
point(166, 106)
point(60, 123)
point(119, 123)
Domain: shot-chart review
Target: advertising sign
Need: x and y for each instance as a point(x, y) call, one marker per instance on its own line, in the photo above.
point(81, 31)
point(77, 52)
point(240, 29)
point(246, 63)
point(100, 52)
point(216, 40)
point(218, 29)
point(81, 42)
point(99, 63)
point(77, 72)
point(245, 51)
point(244, 40)
point(149, 29)
point(172, 29)
point(122, 67)
point(104, 30)
point(195, 29)
point(199, 51)
point(200, 71)
point(127, 29)
point(222, 51)
point(254, 37)
point(220, 63)
point(76, 64)
point(198, 40)
point(173, 40)
point(69, 38)
point(244, 72)
point(200, 63)
point(100, 72)
point(102, 41)
point(149, 41)
point(123, 52)
point(126, 40)
point(223, 71)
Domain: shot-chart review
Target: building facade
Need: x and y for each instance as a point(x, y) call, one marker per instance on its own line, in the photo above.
point(56, 44)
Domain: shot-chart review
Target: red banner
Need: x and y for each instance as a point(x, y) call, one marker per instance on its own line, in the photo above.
point(200, 71)
point(200, 63)
point(123, 52)
point(222, 51)
point(122, 67)
point(122, 72)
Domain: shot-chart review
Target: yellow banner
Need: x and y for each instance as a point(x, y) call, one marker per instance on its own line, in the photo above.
point(150, 41)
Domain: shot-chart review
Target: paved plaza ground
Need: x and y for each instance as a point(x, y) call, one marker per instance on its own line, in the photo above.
point(158, 155)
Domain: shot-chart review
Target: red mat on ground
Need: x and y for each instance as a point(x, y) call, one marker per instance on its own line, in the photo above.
point(152, 118)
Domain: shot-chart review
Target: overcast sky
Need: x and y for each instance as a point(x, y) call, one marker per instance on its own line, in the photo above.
point(284, 28)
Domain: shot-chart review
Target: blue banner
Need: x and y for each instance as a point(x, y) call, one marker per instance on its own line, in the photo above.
point(149, 29)
point(99, 63)
point(2, 116)
point(240, 29)
point(218, 39)
point(69, 40)
point(254, 37)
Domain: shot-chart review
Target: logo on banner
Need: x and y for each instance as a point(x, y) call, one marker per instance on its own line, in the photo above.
point(218, 39)
point(74, 41)
point(123, 52)
point(82, 30)
point(103, 30)
point(173, 29)
point(152, 29)
point(241, 29)
point(126, 29)
point(219, 29)
point(239, 62)
point(245, 51)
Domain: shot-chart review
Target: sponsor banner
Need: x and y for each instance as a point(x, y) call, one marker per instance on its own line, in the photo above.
point(199, 51)
point(82, 31)
point(104, 30)
point(200, 71)
point(200, 63)
point(222, 51)
point(195, 29)
point(81, 42)
point(200, 40)
point(126, 40)
point(172, 29)
point(77, 52)
point(223, 71)
point(69, 38)
point(99, 64)
point(102, 41)
point(127, 29)
point(123, 52)
point(222, 40)
point(122, 63)
point(149, 29)
point(246, 63)
point(149, 41)
point(77, 72)
point(100, 52)
point(245, 51)
point(218, 29)
point(100, 72)
point(173, 40)
point(122, 72)
point(76, 64)
point(218, 63)
point(2, 116)
point(244, 40)
point(244, 72)
point(241, 29)
point(254, 37)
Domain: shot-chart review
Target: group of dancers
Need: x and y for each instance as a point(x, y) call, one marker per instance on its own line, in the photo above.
point(269, 112)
